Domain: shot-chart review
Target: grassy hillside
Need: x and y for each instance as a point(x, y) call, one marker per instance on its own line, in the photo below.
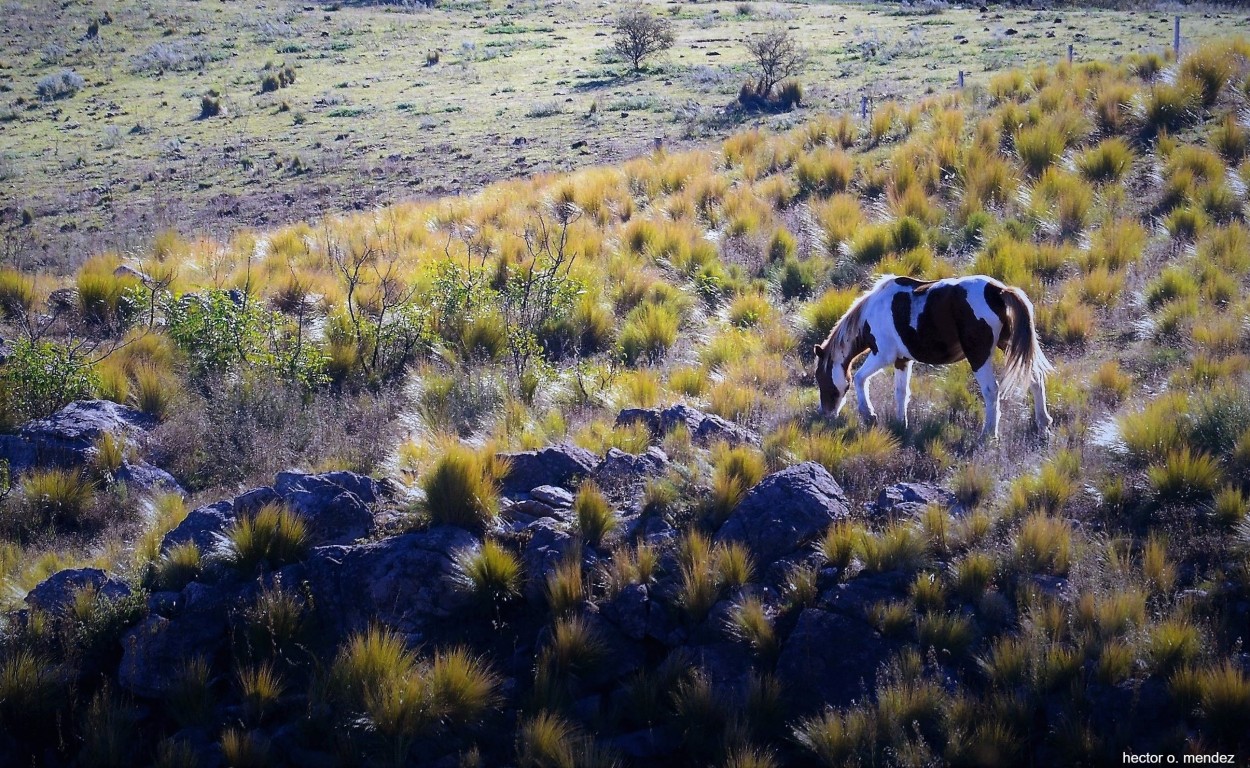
point(367, 121)
point(1104, 570)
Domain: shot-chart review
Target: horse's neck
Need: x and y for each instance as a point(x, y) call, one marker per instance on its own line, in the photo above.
point(856, 345)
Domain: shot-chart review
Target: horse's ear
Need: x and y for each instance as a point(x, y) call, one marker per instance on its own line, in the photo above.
point(817, 351)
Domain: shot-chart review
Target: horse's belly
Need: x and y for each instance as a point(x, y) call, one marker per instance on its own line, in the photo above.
point(937, 354)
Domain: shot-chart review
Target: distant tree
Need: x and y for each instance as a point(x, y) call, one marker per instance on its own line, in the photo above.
point(637, 34)
point(777, 56)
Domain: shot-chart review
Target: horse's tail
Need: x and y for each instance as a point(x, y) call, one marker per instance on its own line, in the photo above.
point(1026, 364)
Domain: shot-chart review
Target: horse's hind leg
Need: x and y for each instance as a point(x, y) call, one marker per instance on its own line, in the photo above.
point(1040, 414)
point(902, 389)
point(989, 391)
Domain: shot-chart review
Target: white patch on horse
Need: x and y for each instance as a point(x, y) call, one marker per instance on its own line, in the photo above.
point(917, 307)
point(981, 308)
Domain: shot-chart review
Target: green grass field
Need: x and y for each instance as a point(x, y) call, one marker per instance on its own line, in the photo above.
point(367, 121)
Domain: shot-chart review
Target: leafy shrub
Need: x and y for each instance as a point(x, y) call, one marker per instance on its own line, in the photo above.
point(40, 377)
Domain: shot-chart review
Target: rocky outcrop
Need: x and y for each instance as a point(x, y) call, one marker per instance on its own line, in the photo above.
point(68, 437)
point(548, 545)
point(559, 465)
point(403, 582)
point(705, 428)
point(829, 659)
point(159, 647)
point(56, 593)
point(621, 476)
point(785, 511)
point(908, 499)
point(329, 504)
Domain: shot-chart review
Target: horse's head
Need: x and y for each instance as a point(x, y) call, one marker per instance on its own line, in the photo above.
point(831, 379)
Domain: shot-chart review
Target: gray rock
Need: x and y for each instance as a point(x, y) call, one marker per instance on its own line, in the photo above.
point(55, 593)
point(629, 611)
point(365, 488)
point(560, 465)
point(829, 659)
point(785, 511)
point(547, 547)
point(552, 495)
point(402, 582)
point(621, 476)
point(906, 498)
point(85, 421)
point(145, 477)
point(329, 504)
point(67, 438)
point(855, 598)
point(249, 502)
point(529, 508)
point(155, 650)
point(705, 428)
point(203, 525)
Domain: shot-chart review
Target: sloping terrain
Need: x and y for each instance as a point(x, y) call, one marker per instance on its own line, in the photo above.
point(564, 497)
point(518, 88)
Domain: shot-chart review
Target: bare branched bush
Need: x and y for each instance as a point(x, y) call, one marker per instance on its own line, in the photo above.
point(637, 34)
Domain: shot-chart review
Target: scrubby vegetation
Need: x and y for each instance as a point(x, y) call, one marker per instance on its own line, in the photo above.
point(1088, 597)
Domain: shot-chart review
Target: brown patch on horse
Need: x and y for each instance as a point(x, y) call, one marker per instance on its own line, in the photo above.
point(947, 330)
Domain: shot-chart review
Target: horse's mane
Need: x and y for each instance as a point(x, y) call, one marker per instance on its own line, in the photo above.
point(848, 327)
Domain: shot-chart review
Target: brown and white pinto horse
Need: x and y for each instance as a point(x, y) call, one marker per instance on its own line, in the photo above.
point(939, 322)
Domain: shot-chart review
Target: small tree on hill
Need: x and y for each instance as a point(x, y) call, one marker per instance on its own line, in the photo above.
point(777, 56)
point(637, 34)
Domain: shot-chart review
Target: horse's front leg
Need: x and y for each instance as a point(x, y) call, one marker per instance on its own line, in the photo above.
point(902, 389)
point(989, 391)
point(871, 367)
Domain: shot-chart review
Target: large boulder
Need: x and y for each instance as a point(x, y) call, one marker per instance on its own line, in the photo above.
point(705, 428)
point(548, 545)
point(203, 525)
point(786, 511)
point(68, 437)
point(335, 505)
point(621, 476)
point(829, 659)
point(56, 593)
point(142, 476)
point(154, 651)
point(328, 503)
point(559, 465)
point(403, 582)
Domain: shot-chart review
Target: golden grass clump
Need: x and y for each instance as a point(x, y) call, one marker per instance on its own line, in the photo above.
point(270, 537)
point(463, 488)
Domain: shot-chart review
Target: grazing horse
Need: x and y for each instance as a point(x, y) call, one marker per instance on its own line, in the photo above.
point(937, 322)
